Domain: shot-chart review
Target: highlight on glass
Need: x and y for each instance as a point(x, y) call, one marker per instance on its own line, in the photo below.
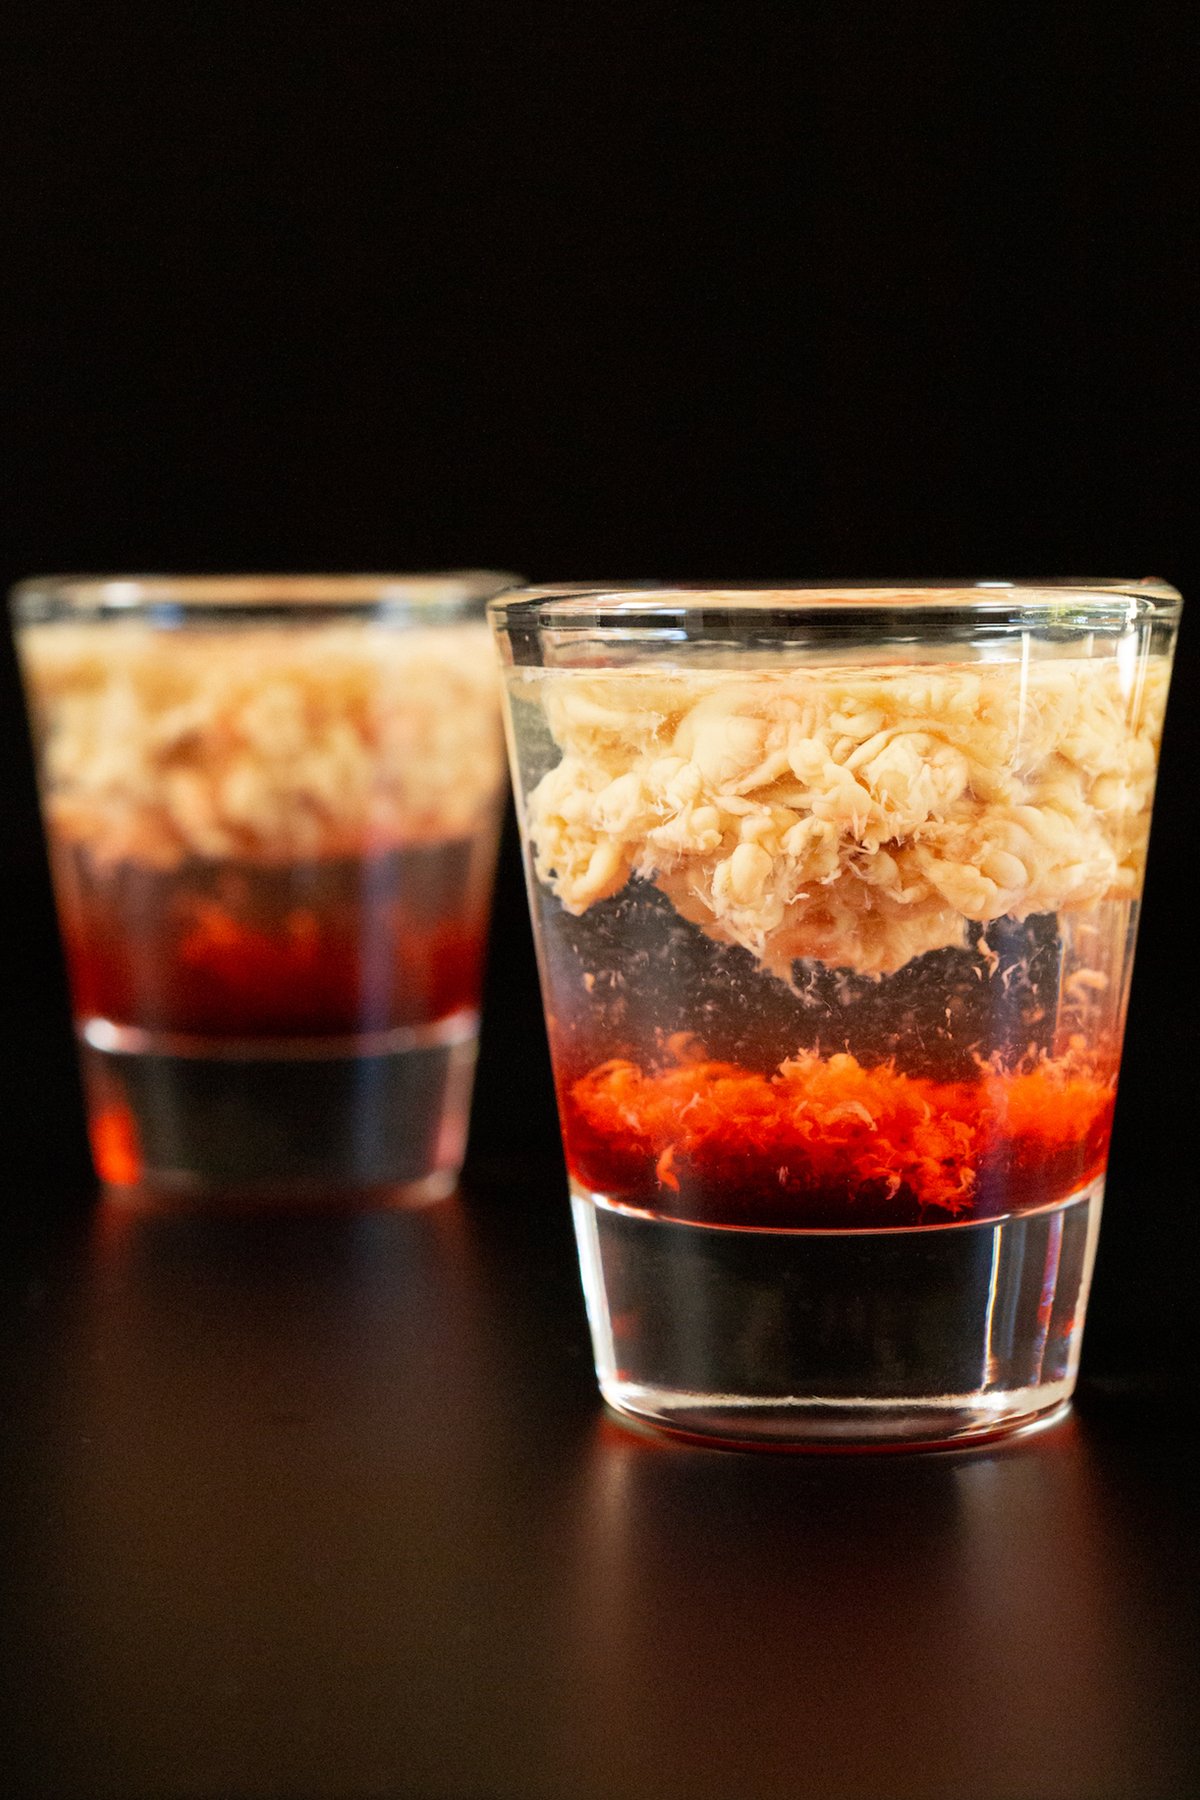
point(271, 805)
point(835, 893)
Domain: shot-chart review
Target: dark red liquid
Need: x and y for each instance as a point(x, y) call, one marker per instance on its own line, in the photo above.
point(245, 951)
point(829, 1143)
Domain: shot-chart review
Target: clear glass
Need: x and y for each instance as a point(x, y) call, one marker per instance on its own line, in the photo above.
point(835, 893)
point(271, 805)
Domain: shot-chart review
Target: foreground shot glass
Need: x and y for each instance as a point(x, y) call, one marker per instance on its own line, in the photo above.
point(835, 893)
point(271, 805)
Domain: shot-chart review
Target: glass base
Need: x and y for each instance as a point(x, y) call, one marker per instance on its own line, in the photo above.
point(838, 1339)
point(380, 1115)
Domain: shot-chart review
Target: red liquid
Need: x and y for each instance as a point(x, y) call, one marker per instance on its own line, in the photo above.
point(116, 1150)
point(243, 951)
point(831, 1144)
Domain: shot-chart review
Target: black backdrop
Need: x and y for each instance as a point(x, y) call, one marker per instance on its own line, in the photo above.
point(600, 291)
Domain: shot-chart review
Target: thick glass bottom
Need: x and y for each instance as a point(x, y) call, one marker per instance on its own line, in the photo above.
point(383, 1114)
point(838, 1339)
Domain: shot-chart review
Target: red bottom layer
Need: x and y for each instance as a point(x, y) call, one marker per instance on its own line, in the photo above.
point(827, 1143)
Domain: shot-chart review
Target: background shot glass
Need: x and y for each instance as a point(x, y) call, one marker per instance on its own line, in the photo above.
point(835, 894)
point(271, 805)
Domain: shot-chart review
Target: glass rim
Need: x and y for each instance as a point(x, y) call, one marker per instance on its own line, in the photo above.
point(442, 593)
point(693, 606)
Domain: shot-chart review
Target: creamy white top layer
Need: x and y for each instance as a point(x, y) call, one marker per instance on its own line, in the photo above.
point(266, 742)
point(859, 817)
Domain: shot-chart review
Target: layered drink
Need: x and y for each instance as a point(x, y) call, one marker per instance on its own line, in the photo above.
point(271, 812)
point(836, 896)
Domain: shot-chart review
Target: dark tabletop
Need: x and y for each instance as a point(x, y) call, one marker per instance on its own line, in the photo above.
point(329, 1507)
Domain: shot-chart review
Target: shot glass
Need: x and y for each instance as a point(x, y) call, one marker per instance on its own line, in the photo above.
point(271, 805)
point(835, 893)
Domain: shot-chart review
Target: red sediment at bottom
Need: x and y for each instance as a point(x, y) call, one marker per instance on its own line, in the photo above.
point(312, 975)
point(830, 1143)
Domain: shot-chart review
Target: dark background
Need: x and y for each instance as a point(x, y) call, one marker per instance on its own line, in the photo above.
point(601, 291)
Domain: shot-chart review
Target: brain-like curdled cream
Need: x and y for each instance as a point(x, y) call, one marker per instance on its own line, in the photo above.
point(268, 743)
point(858, 818)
